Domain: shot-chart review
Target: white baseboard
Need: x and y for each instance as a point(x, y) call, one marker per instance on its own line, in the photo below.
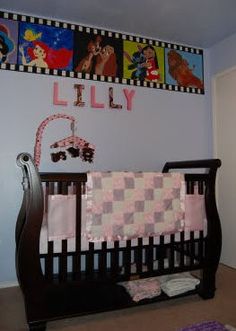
point(8, 284)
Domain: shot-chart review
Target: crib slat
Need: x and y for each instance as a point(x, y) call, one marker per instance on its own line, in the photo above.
point(63, 262)
point(49, 265)
point(127, 258)
point(102, 262)
point(181, 249)
point(149, 255)
point(201, 187)
point(172, 252)
point(46, 193)
point(139, 256)
point(201, 247)
point(90, 262)
point(51, 188)
point(49, 262)
point(115, 259)
point(76, 262)
point(190, 187)
point(161, 254)
point(63, 189)
point(192, 248)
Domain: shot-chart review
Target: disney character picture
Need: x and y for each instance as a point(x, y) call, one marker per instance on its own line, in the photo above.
point(7, 42)
point(87, 62)
point(184, 69)
point(143, 62)
point(45, 47)
point(96, 54)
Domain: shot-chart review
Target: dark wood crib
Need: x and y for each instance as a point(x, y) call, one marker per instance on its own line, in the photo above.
point(70, 283)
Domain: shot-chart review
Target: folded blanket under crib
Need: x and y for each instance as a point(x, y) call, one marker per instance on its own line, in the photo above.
point(177, 284)
point(140, 289)
point(151, 287)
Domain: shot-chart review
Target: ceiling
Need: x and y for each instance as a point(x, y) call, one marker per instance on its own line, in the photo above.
point(199, 23)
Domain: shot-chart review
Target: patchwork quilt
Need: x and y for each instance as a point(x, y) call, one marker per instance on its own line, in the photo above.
point(127, 205)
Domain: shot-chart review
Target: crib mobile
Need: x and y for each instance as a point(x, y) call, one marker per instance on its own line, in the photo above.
point(74, 145)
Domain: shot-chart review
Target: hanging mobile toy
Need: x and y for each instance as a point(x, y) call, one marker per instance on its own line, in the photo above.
point(75, 146)
point(58, 156)
point(74, 152)
point(87, 153)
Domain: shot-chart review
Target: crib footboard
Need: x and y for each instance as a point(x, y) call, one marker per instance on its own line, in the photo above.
point(213, 241)
point(69, 277)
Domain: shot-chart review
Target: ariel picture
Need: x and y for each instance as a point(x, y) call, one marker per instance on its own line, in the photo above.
point(143, 62)
point(184, 69)
point(45, 46)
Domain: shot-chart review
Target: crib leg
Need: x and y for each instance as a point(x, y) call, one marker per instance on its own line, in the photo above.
point(207, 286)
point(40, 326)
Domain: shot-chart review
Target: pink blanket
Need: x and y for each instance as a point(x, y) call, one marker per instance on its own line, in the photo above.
point(126, 205)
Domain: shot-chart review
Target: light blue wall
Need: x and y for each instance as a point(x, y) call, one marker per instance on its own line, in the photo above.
point(223, 55)
point(162, 126)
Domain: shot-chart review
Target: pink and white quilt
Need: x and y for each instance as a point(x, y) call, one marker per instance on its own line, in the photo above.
point(127, 205)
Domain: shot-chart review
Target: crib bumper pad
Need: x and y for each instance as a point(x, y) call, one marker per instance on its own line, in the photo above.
point(61, 208)
point(122, 206)
point(195, 213)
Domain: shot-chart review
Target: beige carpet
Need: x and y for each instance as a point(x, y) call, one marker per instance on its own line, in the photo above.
point(164, 316)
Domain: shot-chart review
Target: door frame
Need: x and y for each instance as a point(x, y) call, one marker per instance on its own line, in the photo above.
point(214, 117)
point(214, 103)
point(214, 112)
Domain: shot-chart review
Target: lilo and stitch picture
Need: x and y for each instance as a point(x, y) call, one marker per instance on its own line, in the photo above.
point(143, 62)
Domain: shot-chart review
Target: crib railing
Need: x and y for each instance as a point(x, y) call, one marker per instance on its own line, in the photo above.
point(125, 262)
point(118, 261)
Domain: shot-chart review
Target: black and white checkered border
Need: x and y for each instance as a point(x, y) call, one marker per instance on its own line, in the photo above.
point(108, 79)
point(118, 35)
point(112, 34)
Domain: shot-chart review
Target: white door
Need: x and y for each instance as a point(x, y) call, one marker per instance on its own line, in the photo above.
point(224, 118)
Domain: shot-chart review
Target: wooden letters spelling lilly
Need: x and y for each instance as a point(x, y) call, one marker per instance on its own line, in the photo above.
point(128, 93)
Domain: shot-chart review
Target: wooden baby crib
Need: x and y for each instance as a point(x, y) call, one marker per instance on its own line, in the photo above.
point(71, 282)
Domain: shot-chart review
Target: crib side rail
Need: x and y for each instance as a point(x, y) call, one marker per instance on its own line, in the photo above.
point(63, 177)
point(211, 164)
